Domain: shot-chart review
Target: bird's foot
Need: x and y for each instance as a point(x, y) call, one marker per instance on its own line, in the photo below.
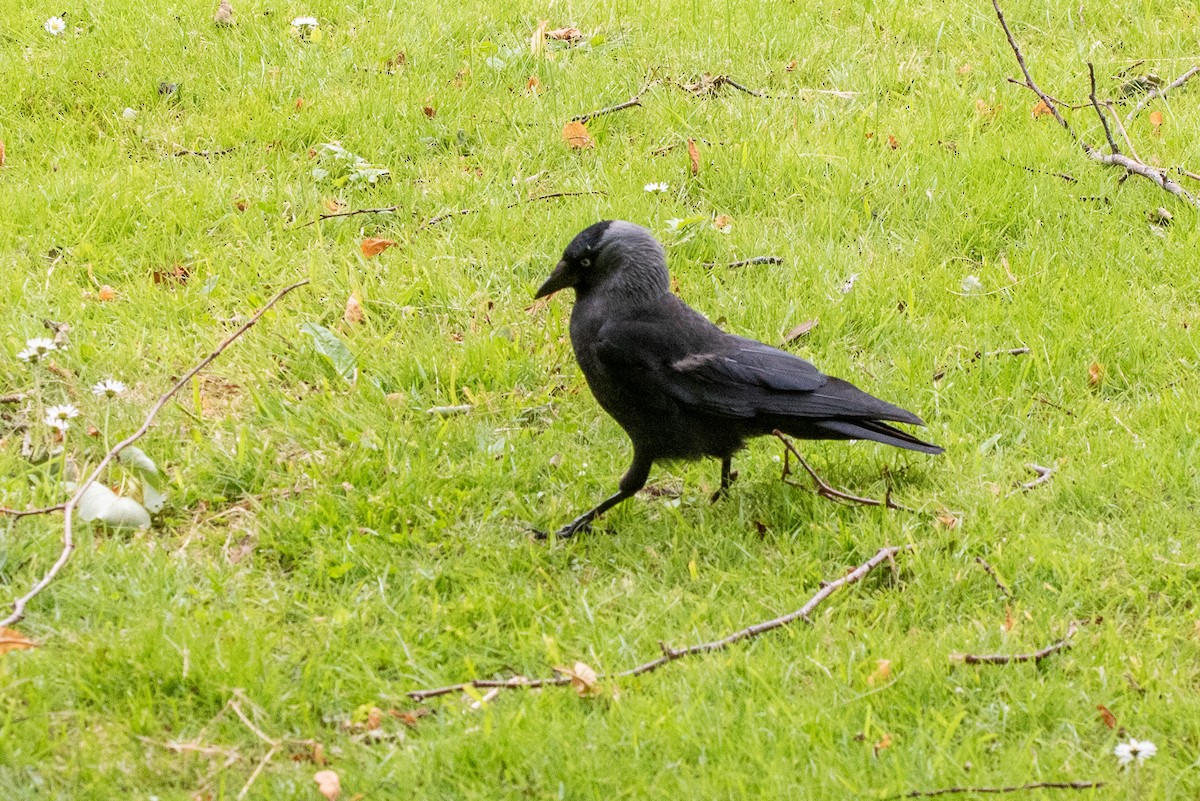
point(723, 490)
point(578, 526)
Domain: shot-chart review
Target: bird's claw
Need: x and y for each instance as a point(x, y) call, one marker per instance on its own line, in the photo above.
point(573, 528)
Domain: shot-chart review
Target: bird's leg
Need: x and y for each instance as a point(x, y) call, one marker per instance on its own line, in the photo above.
point(633, 480)
point(728, 476)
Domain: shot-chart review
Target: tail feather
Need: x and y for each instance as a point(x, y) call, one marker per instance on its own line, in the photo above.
point(877, 432)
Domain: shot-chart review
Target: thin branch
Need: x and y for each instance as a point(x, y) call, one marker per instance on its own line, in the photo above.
point(237, 709)
point(267, 757)
point(725, 79)
point(68, 538)
point(1029, 83)
point(19, 513)
point(331, 215)
point(991, 571)
point(754, 260)
point(1044, 474)
point(997, 790)
point(1153, 93)
point(1068, 178)
point(636, 100)
point(672, 654)
point(16, 397)
point(824, 489)
point(1121, 130)
point(432, 221)
point(1005, 659)
point(1150, 173)
point(1112, 143)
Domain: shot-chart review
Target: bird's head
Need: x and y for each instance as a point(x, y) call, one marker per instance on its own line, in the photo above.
point(620, 256)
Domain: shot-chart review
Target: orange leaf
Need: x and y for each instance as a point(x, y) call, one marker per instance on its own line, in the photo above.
point(576, 135)
point(354, 314)
point(332, 205)
point(328, 783)
point(791, 65)
point(299, 102)
point(429, 111)
point(893, 142)
point(13, 640)
point(884, 742)
point(1110, 720)
point(106, 294)
point(176, 273)
point(963, 69)
point(565, 34)
point(1, 152)
point(693, 156)
point(1156, 118)
point(1041, 109)
point(882, 672)
point(948, 519)
point(1095, 374)
point(533, 85)
point(373, 247)
point(240, 205)
point(584, 680)
point(1009, 620)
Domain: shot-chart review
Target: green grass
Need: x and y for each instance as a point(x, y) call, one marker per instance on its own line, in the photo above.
point(329, 547)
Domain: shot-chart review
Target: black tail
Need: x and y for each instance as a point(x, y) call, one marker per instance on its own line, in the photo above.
point(876, 432)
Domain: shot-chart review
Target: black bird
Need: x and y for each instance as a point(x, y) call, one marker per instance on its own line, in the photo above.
point(681, 387)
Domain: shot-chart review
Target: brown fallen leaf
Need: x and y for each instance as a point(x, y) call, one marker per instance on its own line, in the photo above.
point(429, 111)
point(224, 15)
point(93, 432)
point(241, 205)
point(354, 310)
point(533, 85)
point(791, 65)
point(565, 34)
point(893, 142)
point(299, 103)
point(175, 274)
point(723, 223)
point(948, 519)
point(881, 673)
point(693, 156)
point(1095, 374)
point(328, 783)
point(374, 718)
point(106, 293)
point(1109, 719)
point(985, 110)
point(584, 680)
point(800, 330)
point(13, 640)
point(410, 717)
point(332, 205)
point(575, 134)
point(1009, 621)
point(1041, 109)
point(1, 152)
point(1156, 119)
point(461, 78)
point(396, 62)
point(963, 69)
point(884, 742)
point(373, 247)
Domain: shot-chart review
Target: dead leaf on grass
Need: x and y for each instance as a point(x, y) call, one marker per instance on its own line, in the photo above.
point(1156, 119)
point(106, 293)
point(565, 34)
point(948, 519)
point(1109, 719)
point(537, 42)
point(693, 156)
point(893, 142)
point(373, 247)
point(224, 15)
point(1095, 374)
point(533, 85)
point(584, 680)
point(354, 310)
point(881, 673)
point(328, 783)
point(791, 65)
point(410, 717)
point(175, 274)
point(1041, 109)
point(884, 742)
point(1, 153)
point(800, 329)
point(575, 134)
point(13, 640)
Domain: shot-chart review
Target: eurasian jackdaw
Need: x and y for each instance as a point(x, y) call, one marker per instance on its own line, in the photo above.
point(681, 387)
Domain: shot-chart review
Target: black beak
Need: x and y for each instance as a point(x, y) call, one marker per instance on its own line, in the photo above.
point(557, 280)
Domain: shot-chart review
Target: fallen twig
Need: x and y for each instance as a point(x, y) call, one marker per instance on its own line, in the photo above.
point(636, 100)
point(19, 513)
point(205, 154)
point(754, 260)
point(824, 489)
point(672, 654)
point(16, 397)
point(1036, 656)
point(725, 79)
point(1153, 93)
point(1115, 158)
point(332, 214)
point(68, 538)
point(991, 571)
point(1044, 474)
point(1068, 178)
point(997, 790)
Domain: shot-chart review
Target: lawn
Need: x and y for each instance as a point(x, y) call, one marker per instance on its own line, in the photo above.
point(328, 544)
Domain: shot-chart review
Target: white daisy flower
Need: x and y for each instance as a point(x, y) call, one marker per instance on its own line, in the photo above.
point(55, 25)
point(659, 187)
point(305, 22)
point(1141, 750)
point(59, 416)
point(36, 349)
point(108, 388)
point(971, 284)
